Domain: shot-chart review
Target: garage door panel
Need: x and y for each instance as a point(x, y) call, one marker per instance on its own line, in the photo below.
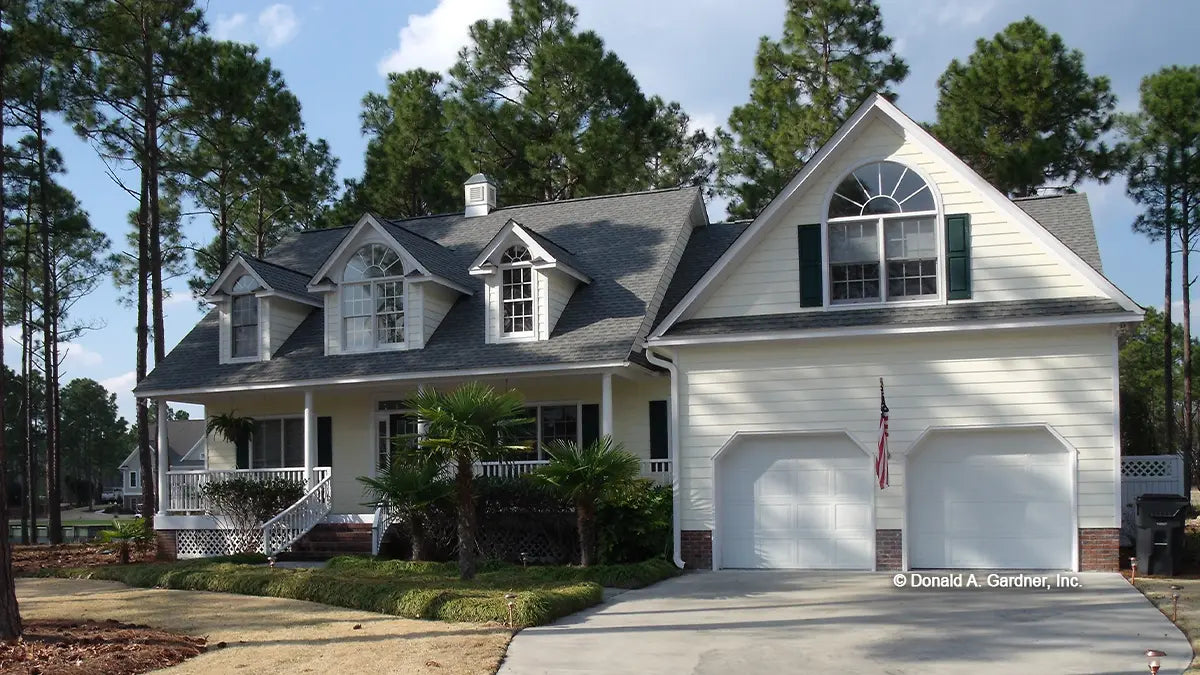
point(796, 502)
point(991, 499)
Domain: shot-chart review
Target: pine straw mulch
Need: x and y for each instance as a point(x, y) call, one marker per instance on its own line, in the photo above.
point(28, 559)
point(65, 647)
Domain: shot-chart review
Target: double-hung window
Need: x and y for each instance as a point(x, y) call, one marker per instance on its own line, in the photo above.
point(516, 286)
point(243, 318)
point(373, 299)
point(548, 423)
point(277, 443)
point(882, 236)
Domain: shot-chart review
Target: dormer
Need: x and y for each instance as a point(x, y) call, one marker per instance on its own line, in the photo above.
point(385, 288)
point(259, 304)
point(528, 281)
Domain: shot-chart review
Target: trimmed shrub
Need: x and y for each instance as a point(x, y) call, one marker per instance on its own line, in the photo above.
point(635, 523)
point(247, 503)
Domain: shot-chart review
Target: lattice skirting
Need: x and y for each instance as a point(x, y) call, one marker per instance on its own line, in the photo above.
point(207, 543)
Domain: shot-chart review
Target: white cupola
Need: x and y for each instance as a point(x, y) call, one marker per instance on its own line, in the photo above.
point(480, 192)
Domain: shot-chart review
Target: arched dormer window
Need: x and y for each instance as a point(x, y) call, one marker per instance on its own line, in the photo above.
point(243, 318)
point(516, 287)
point(882, 236)
point(373, 298)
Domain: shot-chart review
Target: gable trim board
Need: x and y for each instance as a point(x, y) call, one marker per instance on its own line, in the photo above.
point(878, 105)
point(532, 242)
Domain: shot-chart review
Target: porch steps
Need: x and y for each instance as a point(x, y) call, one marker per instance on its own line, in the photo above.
point(327, 540)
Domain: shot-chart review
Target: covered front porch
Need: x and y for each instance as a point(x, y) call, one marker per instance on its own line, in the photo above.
point(326, 437)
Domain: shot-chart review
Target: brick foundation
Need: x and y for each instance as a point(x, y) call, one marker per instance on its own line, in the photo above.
point(889, 552)
point(695, 547)
point(166, 544)
point(1098, 549)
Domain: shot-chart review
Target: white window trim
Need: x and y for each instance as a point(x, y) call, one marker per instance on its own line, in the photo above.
point(538, 422)
point(376, 345)
point(258, 329)
point(939, 217)
point(282, 450)
point(535, 289)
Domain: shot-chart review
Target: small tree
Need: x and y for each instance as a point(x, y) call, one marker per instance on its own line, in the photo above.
point(412, 483)
point(247, 503)
point(585, 475)
point(469, 424)
point(127, 534)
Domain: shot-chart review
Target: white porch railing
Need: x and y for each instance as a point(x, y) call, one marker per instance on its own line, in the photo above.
point(296, 520)
point(658, 470)
point(184, 487)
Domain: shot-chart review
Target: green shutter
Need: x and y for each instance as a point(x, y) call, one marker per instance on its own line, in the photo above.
point(811, 290)
point(590, 424)
point(958, 256)
point(658, 429)
point(324, 441)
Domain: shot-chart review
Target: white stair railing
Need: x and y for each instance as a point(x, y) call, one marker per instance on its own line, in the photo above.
point(379, 526)
point(296, 520)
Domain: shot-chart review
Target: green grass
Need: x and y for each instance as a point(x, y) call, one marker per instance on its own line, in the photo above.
point(416, 590)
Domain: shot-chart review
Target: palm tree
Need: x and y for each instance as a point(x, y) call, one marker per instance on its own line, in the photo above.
point(472, 423)
point(585, 476)
point(411, 484)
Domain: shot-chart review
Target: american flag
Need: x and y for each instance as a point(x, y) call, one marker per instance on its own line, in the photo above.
point(881, 453)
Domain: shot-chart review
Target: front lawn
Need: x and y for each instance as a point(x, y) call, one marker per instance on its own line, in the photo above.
point(407, 589)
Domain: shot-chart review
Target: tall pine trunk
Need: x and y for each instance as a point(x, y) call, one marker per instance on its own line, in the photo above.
point(154, 239)
point(1185, 240)
point(28, 514)
point(463, 484)
point(10, 615)
point(143, 343)
point(1168, 331)
point(49, 367)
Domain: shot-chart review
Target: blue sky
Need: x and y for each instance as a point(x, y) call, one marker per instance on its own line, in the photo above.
point(698, 52)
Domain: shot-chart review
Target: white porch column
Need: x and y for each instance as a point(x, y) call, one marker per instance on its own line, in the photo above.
point(606, 404)
point(164, 461)
point(310, 440)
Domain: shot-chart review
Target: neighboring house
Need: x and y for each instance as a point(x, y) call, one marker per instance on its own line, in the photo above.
point(740, 361)
point(185, 443)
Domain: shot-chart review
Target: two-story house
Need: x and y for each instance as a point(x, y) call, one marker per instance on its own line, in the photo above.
point(741, 361)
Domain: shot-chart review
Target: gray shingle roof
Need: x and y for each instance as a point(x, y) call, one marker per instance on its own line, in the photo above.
point(281, 278)
point(703, 249)
point(1068, 217)
point(626, 239)
point(436, 258)
point(560, 254)
point(897, 315)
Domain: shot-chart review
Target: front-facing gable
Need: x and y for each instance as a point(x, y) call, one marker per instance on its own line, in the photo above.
point(1012, 258)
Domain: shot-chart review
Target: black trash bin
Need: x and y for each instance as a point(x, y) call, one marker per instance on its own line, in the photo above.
point(1160, 519)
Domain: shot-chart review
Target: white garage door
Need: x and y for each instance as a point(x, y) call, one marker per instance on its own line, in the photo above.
point(796, 502)
point(996, 499)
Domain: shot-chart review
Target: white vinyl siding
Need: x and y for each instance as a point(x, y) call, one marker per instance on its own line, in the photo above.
point(436, 301)
point(1060, 377)
point(559, 288)
point(333, 323)
point(1007, 263)
point(283, 318)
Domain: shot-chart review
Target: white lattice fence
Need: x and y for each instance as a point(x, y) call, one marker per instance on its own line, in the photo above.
point(205, 543)
point(1146, 474)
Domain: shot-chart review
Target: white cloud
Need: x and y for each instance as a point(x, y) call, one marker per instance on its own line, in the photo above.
point(277, 25)
point(432, 40)
point(75, 354)
point(963, 13)
point(122, 386)
point(228, 27)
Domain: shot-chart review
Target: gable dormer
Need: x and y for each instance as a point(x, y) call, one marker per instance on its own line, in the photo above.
point(259, 305)
point(385, 288)
point(528, 281)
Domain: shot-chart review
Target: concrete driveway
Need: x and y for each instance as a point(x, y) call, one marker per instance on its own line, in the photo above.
point(746, 622)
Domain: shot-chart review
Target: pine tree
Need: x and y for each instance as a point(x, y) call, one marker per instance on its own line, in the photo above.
point(832, 56)
point(1164, 177)
point(1023, 112)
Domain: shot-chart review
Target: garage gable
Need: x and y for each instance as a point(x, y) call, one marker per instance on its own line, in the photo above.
point(1006, 254)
